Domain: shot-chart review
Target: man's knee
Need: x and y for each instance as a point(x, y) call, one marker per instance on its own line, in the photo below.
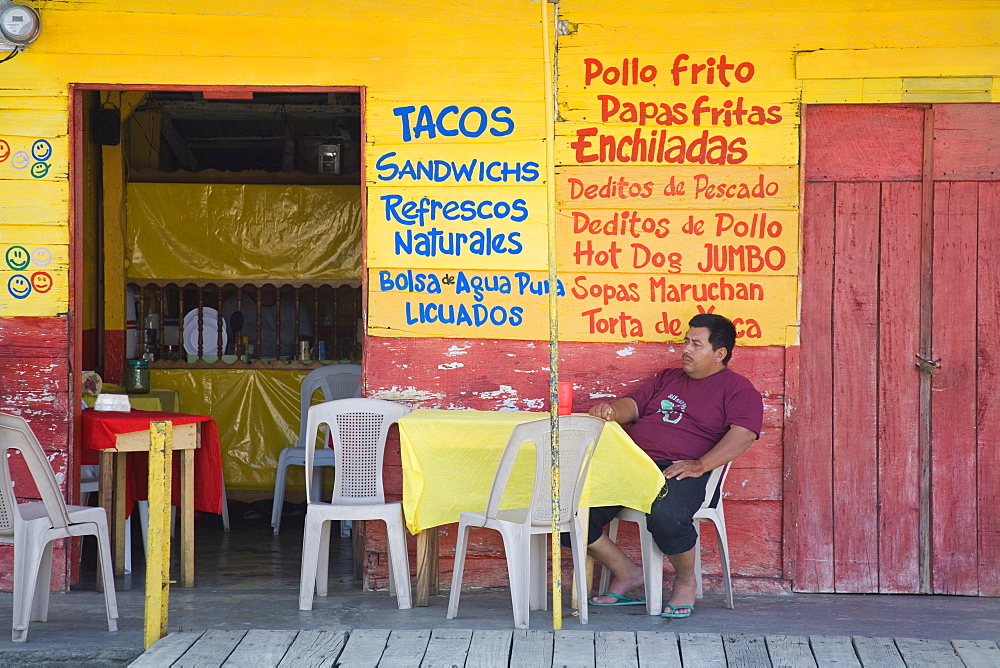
point(672, 526)
point(669, 519)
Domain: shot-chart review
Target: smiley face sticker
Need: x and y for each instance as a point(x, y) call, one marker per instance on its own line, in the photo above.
point(19, 286)
point(4, 150)
point(20, 160)
point(17, 258)
point(41, 256)
point(41, 281)
point(41, 150)
point(39, 170)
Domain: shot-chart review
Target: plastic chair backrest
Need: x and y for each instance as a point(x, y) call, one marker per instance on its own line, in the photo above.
point(15, 434)
point(716, 479)
point(359, 428)
point(337, 381)
point(578, 436)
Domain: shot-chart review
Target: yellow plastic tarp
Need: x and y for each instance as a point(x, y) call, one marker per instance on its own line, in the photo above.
point(240, 231)
point(257, 411)
point(450, 459)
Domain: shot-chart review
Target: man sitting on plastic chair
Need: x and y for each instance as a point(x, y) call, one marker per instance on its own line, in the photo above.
point(689, 421)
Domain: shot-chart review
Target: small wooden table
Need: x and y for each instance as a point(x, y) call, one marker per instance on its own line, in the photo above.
point(187, 439)
point(450, 458)
point(118, 436)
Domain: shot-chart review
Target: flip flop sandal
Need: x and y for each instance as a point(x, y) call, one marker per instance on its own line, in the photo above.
point(620, 600)
point(677, 611)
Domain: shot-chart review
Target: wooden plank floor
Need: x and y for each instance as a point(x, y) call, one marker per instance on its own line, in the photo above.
point(368, 648)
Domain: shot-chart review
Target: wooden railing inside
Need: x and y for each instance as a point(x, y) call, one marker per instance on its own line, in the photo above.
point(256, 324)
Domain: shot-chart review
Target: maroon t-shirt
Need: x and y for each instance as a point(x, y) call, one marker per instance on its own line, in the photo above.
point(683, 418)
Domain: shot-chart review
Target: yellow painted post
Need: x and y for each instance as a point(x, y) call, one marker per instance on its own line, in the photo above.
point(158, 539)
point(550, 178)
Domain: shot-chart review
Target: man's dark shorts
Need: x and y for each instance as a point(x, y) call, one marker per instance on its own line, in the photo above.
point(670, 519)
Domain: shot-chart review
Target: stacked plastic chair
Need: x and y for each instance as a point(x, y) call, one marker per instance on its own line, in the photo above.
point(337, 381)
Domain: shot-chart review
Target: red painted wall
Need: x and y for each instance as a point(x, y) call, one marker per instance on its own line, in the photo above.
point(490, 374)
point(34, 383)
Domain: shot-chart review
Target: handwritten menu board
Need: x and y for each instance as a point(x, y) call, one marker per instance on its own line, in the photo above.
point(677, 193)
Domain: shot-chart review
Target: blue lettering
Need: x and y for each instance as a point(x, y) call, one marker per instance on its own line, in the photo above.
point(405, 112)
point(481, 113)
point(383, 164)
point(499, 115)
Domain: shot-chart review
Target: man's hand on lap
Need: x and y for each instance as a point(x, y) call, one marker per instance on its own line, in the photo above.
point(684, 468)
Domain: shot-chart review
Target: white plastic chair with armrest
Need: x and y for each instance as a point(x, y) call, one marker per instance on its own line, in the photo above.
point(359, 428)
point(524, 530)
point(652, 558)
point(33, 526)
point(337, 381)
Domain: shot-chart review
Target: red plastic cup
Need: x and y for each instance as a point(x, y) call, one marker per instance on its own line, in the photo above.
point(565, 398)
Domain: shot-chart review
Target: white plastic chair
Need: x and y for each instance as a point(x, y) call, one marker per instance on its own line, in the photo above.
point(524, 530)
point(33, 526)
point(359, 428)
point(652, 558)
point(90, 483)
point(337, 381)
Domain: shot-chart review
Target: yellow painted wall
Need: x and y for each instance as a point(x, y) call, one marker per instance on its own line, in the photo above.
point(456, 57)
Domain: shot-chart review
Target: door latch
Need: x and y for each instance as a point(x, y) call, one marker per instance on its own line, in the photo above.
point(928, 365)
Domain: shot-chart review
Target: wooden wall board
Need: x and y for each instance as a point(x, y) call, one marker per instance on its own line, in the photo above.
point(749, 145)
point(790, 462)
point(656, 106)
point(988, 375)
point(386, 71)
point(953, 413)
point(966, 146)
point(681, 187)
point(899, 389)
point(919, 60)
point(862, 144)
point(500, 119)
point(855, 321)
point(35, 202)
point(240, 34)
point(804, 25)
point(814, 413)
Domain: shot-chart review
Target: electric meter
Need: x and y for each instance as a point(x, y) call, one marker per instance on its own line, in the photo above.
point(19, 24)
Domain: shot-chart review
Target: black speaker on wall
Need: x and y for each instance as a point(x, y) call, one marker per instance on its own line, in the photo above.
point(107, 126)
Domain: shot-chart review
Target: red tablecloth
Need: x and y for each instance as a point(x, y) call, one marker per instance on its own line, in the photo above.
point(100, 429)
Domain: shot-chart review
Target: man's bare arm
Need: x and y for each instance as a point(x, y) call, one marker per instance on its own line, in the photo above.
point(622, 411)
point(731, 446)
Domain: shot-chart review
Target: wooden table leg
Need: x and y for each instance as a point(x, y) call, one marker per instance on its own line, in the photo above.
point(187, 518)
point(119, 512)
point(427, 566)
point(105, 492)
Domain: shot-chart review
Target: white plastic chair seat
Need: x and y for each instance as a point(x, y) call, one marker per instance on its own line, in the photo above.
point(358, 428)
point(652, 558)
point(337, 381)
point(524, 530)
point(32, 527)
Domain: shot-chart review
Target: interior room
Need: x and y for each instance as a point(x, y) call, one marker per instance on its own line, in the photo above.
point(221, 236)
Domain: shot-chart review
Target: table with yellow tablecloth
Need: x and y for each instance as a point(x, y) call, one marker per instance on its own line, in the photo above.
point(450, 457)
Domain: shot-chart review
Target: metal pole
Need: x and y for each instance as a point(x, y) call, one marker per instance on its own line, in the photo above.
point(550, 200)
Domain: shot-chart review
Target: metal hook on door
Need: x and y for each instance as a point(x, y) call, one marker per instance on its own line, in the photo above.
point(928, 365)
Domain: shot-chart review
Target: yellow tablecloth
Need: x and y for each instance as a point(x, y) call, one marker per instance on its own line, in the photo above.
point(450, 457)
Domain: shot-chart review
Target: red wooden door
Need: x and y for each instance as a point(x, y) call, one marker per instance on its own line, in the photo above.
point(898, 467)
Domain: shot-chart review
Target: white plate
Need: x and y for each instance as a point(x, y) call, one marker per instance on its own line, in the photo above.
point(209, 336)
point(192, 315)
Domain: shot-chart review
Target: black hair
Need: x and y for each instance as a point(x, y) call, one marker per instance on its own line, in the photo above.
point(721, 332)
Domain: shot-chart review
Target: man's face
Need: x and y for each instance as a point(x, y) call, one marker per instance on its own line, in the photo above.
point(698, 359)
